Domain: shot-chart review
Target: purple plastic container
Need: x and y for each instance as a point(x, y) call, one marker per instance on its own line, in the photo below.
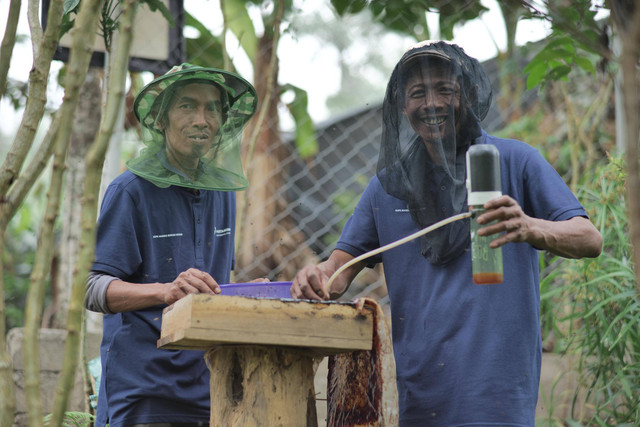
point(258, 289)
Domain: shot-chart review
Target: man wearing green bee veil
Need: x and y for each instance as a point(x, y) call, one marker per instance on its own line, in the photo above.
point(166, 230)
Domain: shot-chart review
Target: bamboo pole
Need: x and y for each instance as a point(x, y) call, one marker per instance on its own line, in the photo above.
point(94, 163)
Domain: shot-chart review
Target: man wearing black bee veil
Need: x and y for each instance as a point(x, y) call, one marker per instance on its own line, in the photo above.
point(465, 354)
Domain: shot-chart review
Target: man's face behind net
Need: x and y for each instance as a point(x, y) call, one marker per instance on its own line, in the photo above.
point(432, 107)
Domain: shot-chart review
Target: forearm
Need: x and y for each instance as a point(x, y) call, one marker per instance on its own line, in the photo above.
point(574, 238)
point(124, 296)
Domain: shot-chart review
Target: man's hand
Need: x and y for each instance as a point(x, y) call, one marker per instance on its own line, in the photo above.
point(574, 238)
point(192, 281)
point(309, 283)
point(260, 280)
point(510, 219)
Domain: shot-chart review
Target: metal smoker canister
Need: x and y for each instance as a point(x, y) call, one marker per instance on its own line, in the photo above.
point(483, 184)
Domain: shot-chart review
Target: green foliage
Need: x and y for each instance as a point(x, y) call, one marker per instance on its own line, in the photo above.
point(401, 16)
point(409, 16)
point(16, 93)
point(306, 141)
point(601, 296)
point(576, 41)
point(344, 7)
point(74, 419)
point(204, 50)
point(405, 17)
point(551, 146)
point(240, 23)
point(344, 202)
point(526, 129)
point(70, 9)
point(19, 255)
point(109, 21)
point(452, 14)
point(70, 5)
point(556, 60)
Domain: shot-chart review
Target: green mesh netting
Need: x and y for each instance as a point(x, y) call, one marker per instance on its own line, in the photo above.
point(220, 167)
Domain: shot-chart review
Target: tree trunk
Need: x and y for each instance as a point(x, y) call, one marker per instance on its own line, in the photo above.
point(626, 16)
point(269, 245)
point(509, 79)
point(85, 127)
point(631, 91)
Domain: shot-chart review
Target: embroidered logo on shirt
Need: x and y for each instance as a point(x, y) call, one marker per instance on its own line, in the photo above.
point(163, 236)
point(221, 232)
point(402, 210)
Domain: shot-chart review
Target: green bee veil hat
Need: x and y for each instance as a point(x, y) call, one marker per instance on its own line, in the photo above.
point(220, 168)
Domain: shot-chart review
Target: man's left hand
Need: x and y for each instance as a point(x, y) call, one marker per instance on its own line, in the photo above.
point(504, 214)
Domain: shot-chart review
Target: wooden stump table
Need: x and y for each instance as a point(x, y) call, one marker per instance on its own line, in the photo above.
point(260, 352)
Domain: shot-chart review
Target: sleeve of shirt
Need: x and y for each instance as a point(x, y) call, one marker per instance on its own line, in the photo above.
point(547, 195)
point(117, 248)
point(96, 295)
point(359, 234)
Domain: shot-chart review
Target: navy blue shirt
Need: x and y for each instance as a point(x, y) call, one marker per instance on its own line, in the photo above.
point(465, 354)
point(148, 234)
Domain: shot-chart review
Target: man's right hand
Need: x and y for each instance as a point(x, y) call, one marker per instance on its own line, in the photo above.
point(126, 296)
point(192, 281)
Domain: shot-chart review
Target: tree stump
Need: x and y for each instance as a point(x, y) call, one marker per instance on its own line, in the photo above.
point(254, 386)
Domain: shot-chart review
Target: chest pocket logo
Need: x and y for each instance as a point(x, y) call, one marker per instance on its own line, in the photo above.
point(221, 232)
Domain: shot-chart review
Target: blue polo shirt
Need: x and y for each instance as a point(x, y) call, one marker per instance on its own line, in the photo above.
point(465, 354)
point(148, 234)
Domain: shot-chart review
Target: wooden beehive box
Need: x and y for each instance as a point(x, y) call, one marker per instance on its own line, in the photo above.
point(201, 321)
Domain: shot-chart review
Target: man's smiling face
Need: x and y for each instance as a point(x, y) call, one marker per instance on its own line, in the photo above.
point(432, 105)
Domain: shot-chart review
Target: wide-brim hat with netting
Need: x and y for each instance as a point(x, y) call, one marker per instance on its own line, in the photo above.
point(221, 167)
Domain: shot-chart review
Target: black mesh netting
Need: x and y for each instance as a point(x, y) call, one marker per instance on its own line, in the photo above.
point(435, 99)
